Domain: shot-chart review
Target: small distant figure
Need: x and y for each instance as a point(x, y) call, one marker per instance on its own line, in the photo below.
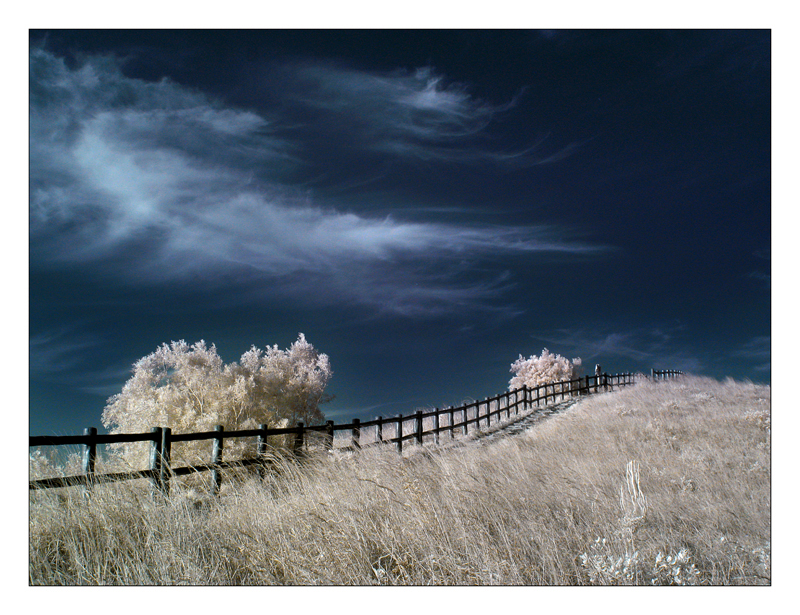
point(598, 370)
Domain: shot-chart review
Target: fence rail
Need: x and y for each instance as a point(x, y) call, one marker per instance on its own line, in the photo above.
point(457, 420)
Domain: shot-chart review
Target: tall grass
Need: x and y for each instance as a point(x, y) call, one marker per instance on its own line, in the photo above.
point(662, 483)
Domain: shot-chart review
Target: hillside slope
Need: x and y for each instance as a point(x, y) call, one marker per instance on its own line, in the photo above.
point(665, 483)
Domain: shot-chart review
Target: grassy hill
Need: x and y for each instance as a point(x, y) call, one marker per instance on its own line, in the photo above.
point(665, 483)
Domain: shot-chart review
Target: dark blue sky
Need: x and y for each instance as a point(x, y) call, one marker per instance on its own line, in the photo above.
point(424, 205)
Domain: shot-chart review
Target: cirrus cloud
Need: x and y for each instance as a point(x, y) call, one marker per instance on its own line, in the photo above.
point(152, 182)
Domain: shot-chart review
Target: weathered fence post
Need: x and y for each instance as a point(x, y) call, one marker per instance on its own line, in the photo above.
point(261, 449)
point(524, 399)
point(379, 430)
point(436, 426)
point(451, 418)
point(216, 458)
point(355, 434)
point(329, 435)
point(399, 439)
point(297, 449)
point(155, 457)
point(465, 416)
point(89, 457)
point(419, 427)
point(166, 452)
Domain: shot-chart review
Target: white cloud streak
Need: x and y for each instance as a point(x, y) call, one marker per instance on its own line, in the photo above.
point(414, 115)
point(652, 346)
point(58, 351)
point(156, 183)
point(759, 351)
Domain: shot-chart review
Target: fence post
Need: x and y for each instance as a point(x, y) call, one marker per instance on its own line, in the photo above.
point(419, 427)
point(261, 449)
point(216, 458)
point(355, 437)
point(166, 452)
point(451, 417)
point(329, 435)
point(297, 449)
point(379, 430)
point(524, 400)
point(89, 456)
point(465, 427)
point(155, 457)
point(436, 426)
point(400, 433)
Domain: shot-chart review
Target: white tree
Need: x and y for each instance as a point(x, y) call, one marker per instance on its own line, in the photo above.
point(189, 389)
point(546, 368)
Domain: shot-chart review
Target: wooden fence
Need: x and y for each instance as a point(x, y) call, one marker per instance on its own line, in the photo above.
point(451, 421)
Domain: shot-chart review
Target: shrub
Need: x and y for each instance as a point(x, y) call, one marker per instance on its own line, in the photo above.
point(190, 389)
point(549, 367)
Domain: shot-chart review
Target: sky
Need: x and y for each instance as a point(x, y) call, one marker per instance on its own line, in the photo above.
point(424, 205)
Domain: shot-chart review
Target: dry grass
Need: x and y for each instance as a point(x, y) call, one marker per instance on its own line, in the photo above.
point(654, 484)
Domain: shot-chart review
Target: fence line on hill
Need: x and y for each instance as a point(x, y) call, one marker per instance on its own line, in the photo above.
point(458, 420)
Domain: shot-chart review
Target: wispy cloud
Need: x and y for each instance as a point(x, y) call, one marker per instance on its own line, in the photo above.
point(763, 277)
point(655, 347)
point(410, 114)
point(759, 351)
point(155, 183)
point(68, 354)
point(58, 351)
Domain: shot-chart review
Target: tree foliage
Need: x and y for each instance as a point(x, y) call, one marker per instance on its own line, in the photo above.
point(548, 367)
point(190, 389)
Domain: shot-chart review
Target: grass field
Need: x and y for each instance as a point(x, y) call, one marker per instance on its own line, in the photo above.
point(665, 483)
